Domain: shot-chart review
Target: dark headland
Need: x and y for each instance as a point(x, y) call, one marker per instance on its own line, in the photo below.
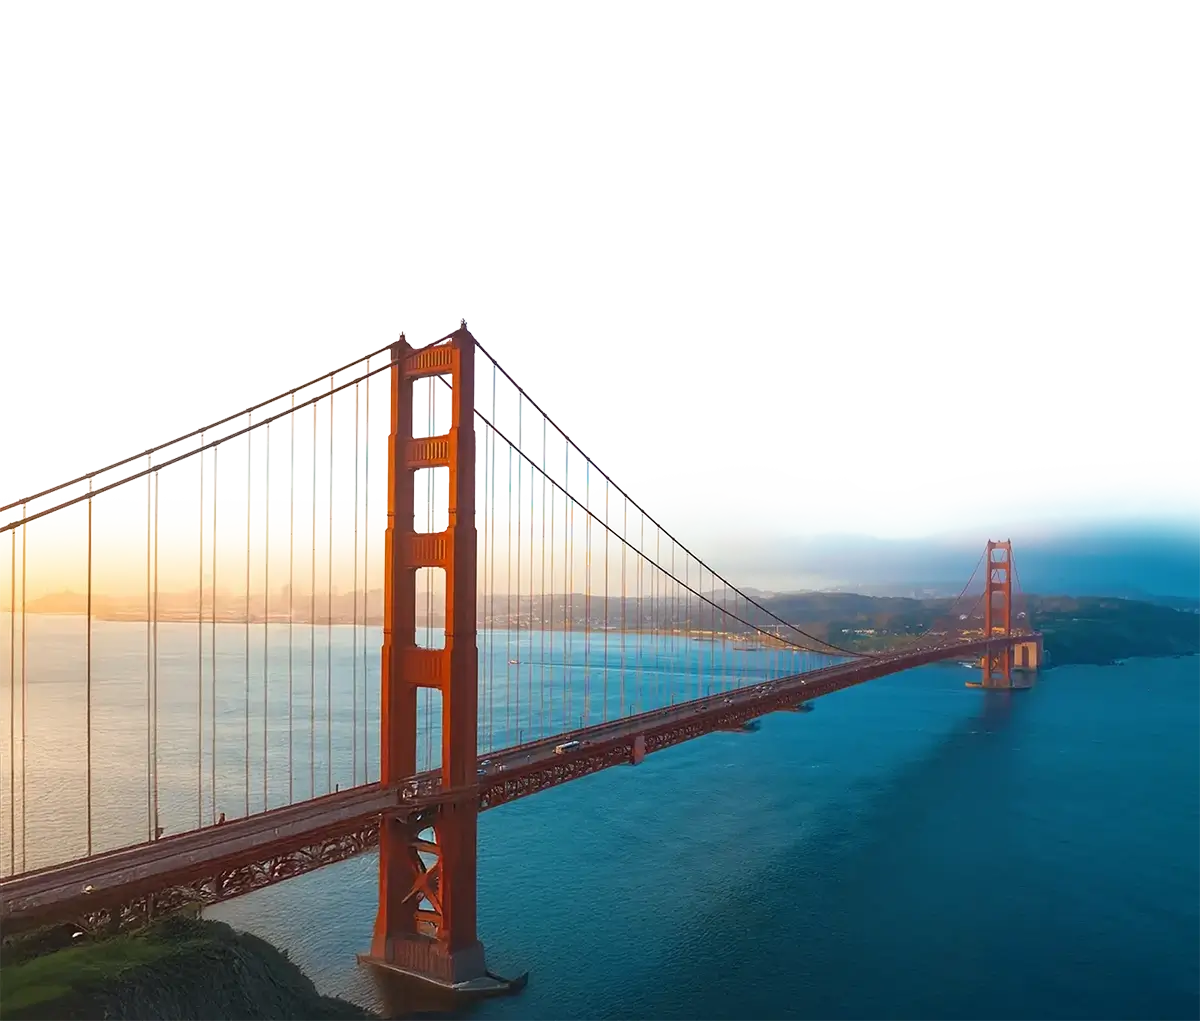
point(178, 967)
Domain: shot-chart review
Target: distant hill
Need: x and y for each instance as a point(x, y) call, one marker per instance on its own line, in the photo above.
point(1104, 630)
point(1077, 629)
point(754, 593)
point(1175, 602)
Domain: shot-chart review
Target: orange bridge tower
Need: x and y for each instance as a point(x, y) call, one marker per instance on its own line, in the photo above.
point(1024, 656)
point(1000, 661)
point(426, 921)
point(997, 615)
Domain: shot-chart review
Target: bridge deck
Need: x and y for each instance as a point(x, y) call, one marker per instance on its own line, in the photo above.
point(226, 860)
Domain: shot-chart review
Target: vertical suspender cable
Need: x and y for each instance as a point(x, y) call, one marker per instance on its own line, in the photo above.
point(690, 644)
point(89, 673)
point(492, 479)
point(483, 623)
point(523, 656)
point(664, 679)
point(712, 631)
point(329, 617)
point(291, 599)
point(155, 831)
point(587, 591)
point(529, 698)
point(246, 693)
point(12, 709)
point(266, 606)
point(213, 689)
point(624, 596)
point(542, 681)
point(703, 676)
point(200, 654)
point(569, 564)
point(683, 638)
point(354, 612)
point(312, 630)
point(149, 681)
point(555, 596)
point(604, 712)
point(366, 566)
point(641, 613)
point(24, 672)
point(677, 674)
point(508, 604)
point(514, 582)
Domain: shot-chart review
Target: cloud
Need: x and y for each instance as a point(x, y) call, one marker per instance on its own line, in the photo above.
point(1119, 558)
point(1111, 524)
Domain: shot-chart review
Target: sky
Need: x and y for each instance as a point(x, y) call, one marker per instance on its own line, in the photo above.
point(1107, 526)
point(400, 163)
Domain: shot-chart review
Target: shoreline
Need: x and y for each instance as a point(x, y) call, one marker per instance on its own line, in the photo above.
point(1081, 642)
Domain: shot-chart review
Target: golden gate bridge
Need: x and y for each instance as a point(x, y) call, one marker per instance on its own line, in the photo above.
point(180, 732)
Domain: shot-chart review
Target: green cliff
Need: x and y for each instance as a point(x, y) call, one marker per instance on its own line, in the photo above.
point(178, 967)
point(1077, 629)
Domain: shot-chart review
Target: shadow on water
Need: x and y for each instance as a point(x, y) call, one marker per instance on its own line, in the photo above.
point(980, 870)
point(789, 930)
point(810, 917)
point(402, 997)
point(783, 918)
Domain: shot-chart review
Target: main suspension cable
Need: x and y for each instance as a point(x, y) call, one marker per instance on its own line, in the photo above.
point(395, 347)
point(753, 602)
point(592, 515)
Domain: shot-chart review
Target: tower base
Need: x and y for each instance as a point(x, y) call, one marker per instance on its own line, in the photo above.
point(1019, 683)
point(425, 960)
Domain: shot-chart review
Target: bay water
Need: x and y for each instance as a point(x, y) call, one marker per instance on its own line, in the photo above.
point(910, 849)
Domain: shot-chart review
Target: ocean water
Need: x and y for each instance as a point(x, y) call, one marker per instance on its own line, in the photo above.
point(911, 849)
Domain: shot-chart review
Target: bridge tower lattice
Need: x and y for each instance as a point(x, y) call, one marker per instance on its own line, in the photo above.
point(426, 924)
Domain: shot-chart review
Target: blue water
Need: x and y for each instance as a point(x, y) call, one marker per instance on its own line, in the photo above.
point(911, 849)
point(247, 716)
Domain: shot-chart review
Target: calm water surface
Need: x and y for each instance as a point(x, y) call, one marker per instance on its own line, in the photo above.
point(910, 849)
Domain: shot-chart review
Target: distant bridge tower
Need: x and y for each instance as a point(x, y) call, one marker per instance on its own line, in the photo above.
point(997, 614)
point(426, 921)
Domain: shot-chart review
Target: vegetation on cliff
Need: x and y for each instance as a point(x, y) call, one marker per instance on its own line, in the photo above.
point(1101, 630)
point(178, 967)
point(1083, 629)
